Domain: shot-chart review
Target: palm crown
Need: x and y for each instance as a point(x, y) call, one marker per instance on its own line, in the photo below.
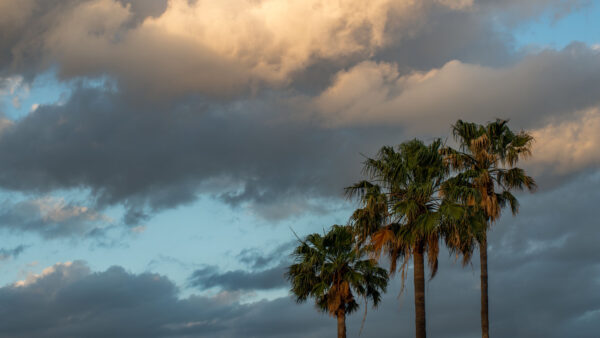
point(404, 210)
point(403, 205)
point(486, 176)
point(486, 161)
point(332, 269)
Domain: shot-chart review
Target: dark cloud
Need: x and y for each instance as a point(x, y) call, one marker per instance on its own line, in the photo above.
point(151, 158)
point(69, 300)
point(257, 259)
point(266, 271)
point(210, 277)
point(142, 9)
point(467, 36)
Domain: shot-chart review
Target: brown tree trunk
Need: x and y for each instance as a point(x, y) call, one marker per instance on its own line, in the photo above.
point(341, 323)
point(419, 280)
point(485, 326)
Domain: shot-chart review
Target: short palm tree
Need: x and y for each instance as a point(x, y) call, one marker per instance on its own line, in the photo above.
point(332, 269)
point(486, 163)
point(404, 212)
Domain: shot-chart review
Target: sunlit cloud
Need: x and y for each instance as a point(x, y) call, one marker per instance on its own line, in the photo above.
point(33, 278)
point(569, 144)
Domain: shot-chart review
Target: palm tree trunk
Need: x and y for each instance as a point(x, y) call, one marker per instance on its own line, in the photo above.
point(485, 326)
point(341, 323)
point(419, 280)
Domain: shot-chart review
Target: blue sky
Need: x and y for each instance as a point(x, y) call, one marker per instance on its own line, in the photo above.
point(549, 31)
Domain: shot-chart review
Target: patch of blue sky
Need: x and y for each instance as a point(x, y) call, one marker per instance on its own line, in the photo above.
point(548, 31)
point(22, 97)
point(212, 233)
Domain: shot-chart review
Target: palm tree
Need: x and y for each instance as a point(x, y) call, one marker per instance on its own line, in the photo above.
point(404, 212)
point(332, 269)
point(486, 162)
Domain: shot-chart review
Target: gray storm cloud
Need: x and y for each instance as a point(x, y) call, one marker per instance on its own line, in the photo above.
point(266, 271)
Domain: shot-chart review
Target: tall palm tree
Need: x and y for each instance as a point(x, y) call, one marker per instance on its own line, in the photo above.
point(486, 162)
point(404, 211)
point(332, 269)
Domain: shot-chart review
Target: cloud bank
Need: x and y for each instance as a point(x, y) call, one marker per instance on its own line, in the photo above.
point(267, 104)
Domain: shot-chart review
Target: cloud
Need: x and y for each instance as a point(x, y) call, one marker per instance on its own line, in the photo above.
point(51, 217)
point(457, 4)
point(527, 92)
point(256, 259)
point(266, 271)
point(69, 300)
point(554, 234)
point(210, 277)
point(569, 145)
point(11, 253)
point(66, 271)
point(149, 160)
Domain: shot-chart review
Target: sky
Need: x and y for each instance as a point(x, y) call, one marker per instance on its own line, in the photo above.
point(157, 158)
